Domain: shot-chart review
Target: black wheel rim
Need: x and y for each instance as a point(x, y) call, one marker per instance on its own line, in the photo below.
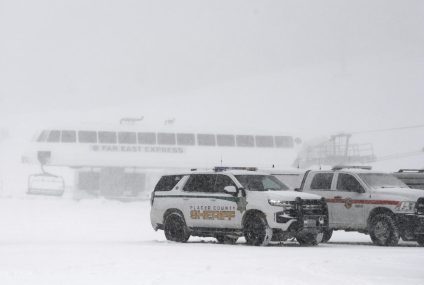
point(382, 231)
point(175, 229)
point(255, 232)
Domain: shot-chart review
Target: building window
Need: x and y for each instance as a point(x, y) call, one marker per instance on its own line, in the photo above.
point(54, 136)
point(127, 138)
point(225, 140)
point(87, 137)
point(185, 139)
point(69, 136)
point(166, 138)
point(206, 139)
point(245, 141)
point(264, 141)
point(146, 138)
point(107, 137)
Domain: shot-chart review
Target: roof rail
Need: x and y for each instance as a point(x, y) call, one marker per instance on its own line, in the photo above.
point(411, 170)
point(340, 167)
point(225, 168)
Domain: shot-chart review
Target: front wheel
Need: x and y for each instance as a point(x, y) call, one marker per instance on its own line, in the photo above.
point(257, 231)
point(384, 231)
point(420, 240)
point(326, 235)
point(175, 228)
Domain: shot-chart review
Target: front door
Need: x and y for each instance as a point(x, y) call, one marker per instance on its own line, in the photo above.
point(347, 204)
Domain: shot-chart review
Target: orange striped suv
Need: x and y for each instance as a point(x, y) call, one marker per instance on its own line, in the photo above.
point(370, 202)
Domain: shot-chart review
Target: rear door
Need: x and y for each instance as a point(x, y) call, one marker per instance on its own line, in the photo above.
point(197, 199)
point(206, 203)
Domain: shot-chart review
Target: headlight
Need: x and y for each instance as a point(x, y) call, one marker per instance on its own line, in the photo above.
point(285, 204)
point(405, 207)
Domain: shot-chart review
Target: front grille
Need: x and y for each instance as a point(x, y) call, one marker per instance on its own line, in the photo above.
point(312, 207)
point(308, 208)
point(420, 206)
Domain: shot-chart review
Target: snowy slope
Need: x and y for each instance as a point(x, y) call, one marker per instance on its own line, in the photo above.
point(58, 241)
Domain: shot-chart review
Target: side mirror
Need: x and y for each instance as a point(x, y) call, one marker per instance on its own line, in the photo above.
point(297, 189)
point(230, 190)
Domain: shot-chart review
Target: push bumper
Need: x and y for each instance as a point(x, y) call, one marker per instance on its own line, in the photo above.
point(410, 225)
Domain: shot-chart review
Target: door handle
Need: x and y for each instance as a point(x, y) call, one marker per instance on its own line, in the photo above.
point(213, 199)
point(338, 197)
point(185, 199)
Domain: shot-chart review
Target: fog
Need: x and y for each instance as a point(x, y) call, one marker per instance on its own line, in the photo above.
point(306, 68)
point(313, 66)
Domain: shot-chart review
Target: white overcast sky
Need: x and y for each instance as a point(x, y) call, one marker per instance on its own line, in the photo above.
point(309, 66)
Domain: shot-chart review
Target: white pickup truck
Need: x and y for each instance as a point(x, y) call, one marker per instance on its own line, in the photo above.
point(370, 202)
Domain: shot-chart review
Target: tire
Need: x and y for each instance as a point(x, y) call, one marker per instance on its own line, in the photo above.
point(327, 234)
point(307, 239)
point(420, 240)
point(226, 239)
point(384, 231)
point(256, 231)
point(175, 228)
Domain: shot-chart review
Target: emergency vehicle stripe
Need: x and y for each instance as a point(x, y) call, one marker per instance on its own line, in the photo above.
point(367, 202)
point(232, 199)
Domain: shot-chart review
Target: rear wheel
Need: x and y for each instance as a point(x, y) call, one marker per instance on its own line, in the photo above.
point(226, 239)
point(307, 239)
point(327, 233)
point(384, 231)
point(257, 231)
point(175, 228)
point(420, 240)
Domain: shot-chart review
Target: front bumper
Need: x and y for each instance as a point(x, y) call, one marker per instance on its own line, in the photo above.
point(410, 226)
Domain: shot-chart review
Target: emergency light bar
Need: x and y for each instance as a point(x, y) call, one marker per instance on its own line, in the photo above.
point(340, 167)
point(225, 168)
point(411, 170)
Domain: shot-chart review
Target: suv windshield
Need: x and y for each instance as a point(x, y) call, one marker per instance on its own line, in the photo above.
point(382, 180)
point(261, 183)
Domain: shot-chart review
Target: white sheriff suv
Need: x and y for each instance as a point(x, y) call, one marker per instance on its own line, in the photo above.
point(370, 202)
point(227, 203)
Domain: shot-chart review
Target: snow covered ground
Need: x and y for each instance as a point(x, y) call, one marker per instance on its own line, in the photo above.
point(49, 240)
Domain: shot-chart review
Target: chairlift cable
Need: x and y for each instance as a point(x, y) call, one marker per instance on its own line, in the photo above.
point(389, 129)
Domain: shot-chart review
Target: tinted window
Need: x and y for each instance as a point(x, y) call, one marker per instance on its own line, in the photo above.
point(146, 138)
point(283, 141)
point(347, 182)
point(43, 136)
point(167, 183)
point(87, 137)
point(54, 136)
point(222, 181)
point(200, 183)
point(166, 138)
point(185, 139)
point(264, 141)
point(206, 139)
point(127, 138)
point(107, 137)
point(246, 141)
point(225, 140)
point(69, 136)
point(261, 182)
point(322, 181)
